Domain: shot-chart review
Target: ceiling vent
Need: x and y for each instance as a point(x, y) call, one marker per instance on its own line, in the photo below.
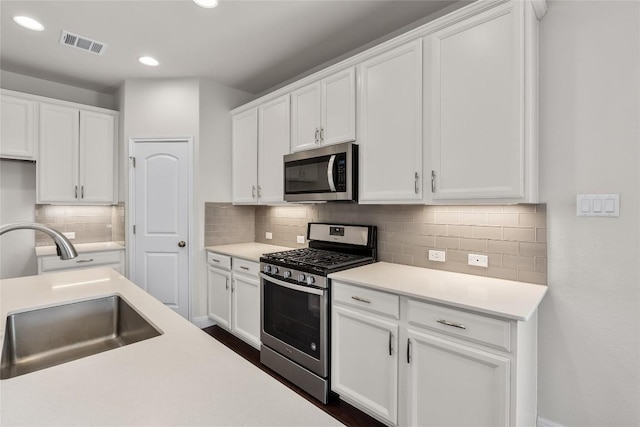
point(82, 43)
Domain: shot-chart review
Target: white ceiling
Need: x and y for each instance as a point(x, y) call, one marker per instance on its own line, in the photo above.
point(248, 45)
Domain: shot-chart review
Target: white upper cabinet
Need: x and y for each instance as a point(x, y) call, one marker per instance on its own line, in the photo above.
point(76, 162)
point(324, 112)
point(261, 137)
point(245, 156)
point(18, 128)
point(390, 126)
point(480, 100)
point(273, 143)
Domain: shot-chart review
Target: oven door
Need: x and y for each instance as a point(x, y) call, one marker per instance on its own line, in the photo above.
point(294, 322)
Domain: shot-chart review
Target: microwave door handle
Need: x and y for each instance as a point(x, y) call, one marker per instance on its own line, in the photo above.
point(332, 184)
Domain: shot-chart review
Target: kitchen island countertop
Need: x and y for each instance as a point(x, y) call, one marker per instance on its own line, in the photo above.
point(182, 377)
point(249, 251)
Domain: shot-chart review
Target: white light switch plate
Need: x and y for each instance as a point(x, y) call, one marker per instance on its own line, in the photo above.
point(598, 205)
point(268, 235)
point(300, 239)
point(70, 235)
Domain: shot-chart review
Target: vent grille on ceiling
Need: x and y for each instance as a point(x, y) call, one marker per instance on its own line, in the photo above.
point(82, 43)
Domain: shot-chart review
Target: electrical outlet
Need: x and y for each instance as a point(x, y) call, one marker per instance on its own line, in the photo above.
point(70, 235)
point(300, 239)
point(478, 260)
point(439, 256)
point(268, 235)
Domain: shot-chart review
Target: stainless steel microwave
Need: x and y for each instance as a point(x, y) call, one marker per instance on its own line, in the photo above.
point(323, 174)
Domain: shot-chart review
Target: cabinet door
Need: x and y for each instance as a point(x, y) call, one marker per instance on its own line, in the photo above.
point(305, 117)
point(245, 157)
point(390, 128)
point(273, 144)
point(246, 308)
point(338, 108)
point(450, 384)
point(18, 128)
point(57, 166)
point(219, 296)
point(365, 361)
point(97, 157)
point(476, 92)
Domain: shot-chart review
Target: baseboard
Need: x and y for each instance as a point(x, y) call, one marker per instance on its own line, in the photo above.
point(543, 422)
point(202, 322)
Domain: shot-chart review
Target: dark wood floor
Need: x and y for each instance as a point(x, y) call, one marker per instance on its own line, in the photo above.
point(338, 409)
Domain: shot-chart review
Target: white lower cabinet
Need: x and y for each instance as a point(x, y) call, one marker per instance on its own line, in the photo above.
point(442, 374)
point(365, 361)
point(431, 365)
point(233, 296)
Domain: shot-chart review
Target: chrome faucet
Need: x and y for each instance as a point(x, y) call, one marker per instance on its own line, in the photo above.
point(64, 247)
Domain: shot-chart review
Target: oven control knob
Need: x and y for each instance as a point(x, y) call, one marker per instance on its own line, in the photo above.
point(286, 274)
point(301, 277)
point(311, 280)
point(267, 269)
point(274, 270)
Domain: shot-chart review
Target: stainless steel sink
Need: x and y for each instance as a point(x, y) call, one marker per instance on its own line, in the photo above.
point(42, 338)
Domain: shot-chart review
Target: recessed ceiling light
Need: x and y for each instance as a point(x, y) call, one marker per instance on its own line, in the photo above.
point(147, 60)
point(209, 4)
point(29, 23)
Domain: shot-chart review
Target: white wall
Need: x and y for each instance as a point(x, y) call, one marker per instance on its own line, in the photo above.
point(17, 201)
point(156, 108)
point(35, 86)
point(589, 337)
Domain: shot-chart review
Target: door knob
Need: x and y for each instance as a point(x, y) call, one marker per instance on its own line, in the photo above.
point(182, 243)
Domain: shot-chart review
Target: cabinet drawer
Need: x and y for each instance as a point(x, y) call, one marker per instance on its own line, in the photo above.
point(368, 299)
point(473, 327)
point(219, 260)
point(246, 267)
point(93, 259)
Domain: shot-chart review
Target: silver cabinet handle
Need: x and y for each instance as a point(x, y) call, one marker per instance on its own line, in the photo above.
point(416, 182)
point(232, 285)
point(317, 135)
point(253, 191)
point(76, 192)
point(80, 261)
point(244, 268)
point(433, 181)
point(82, 192)
point(390, 343)
point(408, 350)
point(455, 325)
point(215, 260)
point(227, 284)
point(361, 299)
point(259, 191)
point(321, 134)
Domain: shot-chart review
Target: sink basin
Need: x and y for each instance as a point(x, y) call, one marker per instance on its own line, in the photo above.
point(46, 337)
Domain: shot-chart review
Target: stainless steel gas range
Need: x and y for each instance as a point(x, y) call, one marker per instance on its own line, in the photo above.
point(295, 301)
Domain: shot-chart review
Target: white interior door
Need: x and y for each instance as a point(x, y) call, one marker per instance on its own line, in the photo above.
point(161, 219)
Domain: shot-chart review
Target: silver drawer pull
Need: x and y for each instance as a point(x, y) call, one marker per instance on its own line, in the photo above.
point(244, 268)
point(84, 260)
point(455, 325)
point(361, 299)
point(215, 260)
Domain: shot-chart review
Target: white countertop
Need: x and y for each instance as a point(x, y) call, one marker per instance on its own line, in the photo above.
point(503, 298)
point(83, 248)
point(249, 251)
point(183, 377)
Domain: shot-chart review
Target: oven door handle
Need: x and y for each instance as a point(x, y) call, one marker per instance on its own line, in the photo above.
point(332, 185)
point(304, 289)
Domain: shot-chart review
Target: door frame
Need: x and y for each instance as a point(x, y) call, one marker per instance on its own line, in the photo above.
point(130, 212)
